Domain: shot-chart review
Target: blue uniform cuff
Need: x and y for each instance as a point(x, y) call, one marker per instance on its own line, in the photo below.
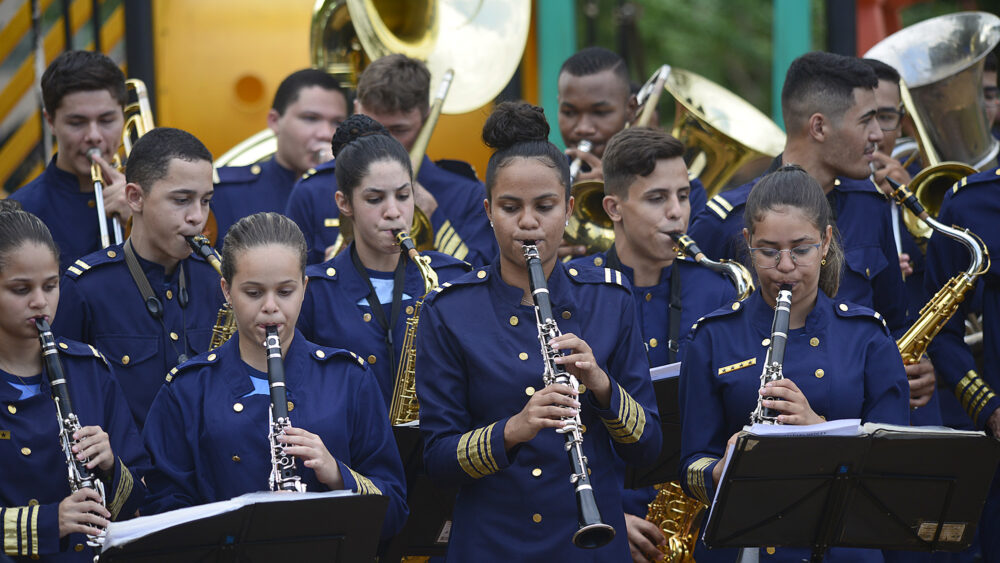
point(354, 481)
point(481, 452)
point(698, 480)
point(625, 419)
point(121, 501)
point(977, 398)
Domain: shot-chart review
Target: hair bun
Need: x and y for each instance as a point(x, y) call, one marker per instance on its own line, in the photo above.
point(355, 127)
point(515, 122)
point(9, 205)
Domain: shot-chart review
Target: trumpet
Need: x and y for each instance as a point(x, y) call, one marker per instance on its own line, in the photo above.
point(79, 476)
point(574, 167)
point(775, 356)
point(283, 474)
point(102, 216)
point(593, 533)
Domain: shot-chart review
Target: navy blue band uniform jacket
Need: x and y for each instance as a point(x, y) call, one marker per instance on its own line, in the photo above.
point(336, 313)
point(971, 204)
point(244, 190)
point(478, 362)
point(461, 228)
point(71, 215)
point(99, 303)
point(34, 466)
point(207, 432)
point(871, 275)
point(843, 360)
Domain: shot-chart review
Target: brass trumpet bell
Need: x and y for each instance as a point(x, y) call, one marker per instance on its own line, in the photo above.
point(589, 225)
point(721, 132)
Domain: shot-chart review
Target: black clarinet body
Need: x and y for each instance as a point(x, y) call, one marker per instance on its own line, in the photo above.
point(284, 476)
point(593, 532)
point(79, 476)
point(775, 356)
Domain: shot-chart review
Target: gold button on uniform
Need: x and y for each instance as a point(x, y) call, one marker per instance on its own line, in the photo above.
point(63, 346)
point(583, 429)
point(523, 355)
point(653, 343)
point(536, 472)
point(598, 261)
point(529, 391)
point(78, 547)
point(33, 502)
point(868, 272)
point(820, 373)
point(371, 359)
point(173, 336)
point(320, 354)
point(481, 274)
point(814, 342)
point(170, 294)
point(91, 203)
point(367, 317)
point(567, 315)
point(238, 407)
point(291, 406)
point(126, 360)
point(331, 272)
point(409, 309)
point(572, 272)
point(765, 342)
point(236, 459)
point(255, 169)
point(843, 307)
point(649, 297)
point(770, 551)
point(112, 254)
point(736, 306)
point(513, 320)
point(13, 410)
point(582, 388)
point(211, 357)
point(25, 451)
point(536, 518)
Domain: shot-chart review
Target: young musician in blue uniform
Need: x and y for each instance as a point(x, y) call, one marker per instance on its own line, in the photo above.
point(647, 197)
point(487, 417)
point(147, 304)
point(971, 204)
point(840, 362)
point(308, 107)
point(361, 299)
point(394, 91)
point(40, 518)
point(207, 431)
point(829, 107)
point(83, 94)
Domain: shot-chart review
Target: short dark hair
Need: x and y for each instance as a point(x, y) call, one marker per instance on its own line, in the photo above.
point(18, 227)
point(882, 70)
point(633, 152)
point(81, 71)
point(792, 186)
point(395, 83)
point(824, 83)
point(289, 89)
point(519, 129)
point(593, 60)
point(991, 62)
point(261, 229)
point(359, 142)
point(152, 153)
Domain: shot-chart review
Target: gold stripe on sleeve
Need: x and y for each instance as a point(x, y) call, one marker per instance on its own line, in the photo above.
point(365, 485)
point(10, 519)
point(631, 421)
point(34, 530)
point(696, 477)
point(717, 210)
point(123, 491)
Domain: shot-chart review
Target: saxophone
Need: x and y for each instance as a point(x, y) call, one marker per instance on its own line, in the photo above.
point(405, 407)
point(935, 314)
point(79, 476)
point(677, 515)
point(283, 474)
point(225, 321)
point(775, 356)
point(593, 533)
point(736, 272)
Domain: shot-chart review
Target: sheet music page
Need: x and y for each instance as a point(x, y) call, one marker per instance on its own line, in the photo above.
point(879, 427)
point(844, 427)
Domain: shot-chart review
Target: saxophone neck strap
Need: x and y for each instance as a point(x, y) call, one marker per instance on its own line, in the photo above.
point(398, 280)
point(153, 304)
point(611, 260)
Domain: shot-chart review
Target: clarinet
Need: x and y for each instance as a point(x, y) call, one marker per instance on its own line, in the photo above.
point(775, 356)
point(79, 476)
point(283, 474)
point(593, 532)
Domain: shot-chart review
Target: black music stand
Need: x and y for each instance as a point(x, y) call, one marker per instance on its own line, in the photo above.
point(664, 469)
point(307, 527)
point(889, 490)
point(428, 527)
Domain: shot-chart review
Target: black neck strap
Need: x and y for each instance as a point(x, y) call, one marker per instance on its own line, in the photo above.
point(153, 304)
point(398, 280)
point(674, 317)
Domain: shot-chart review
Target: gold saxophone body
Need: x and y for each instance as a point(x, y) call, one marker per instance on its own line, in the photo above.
point(677, 515)
point(405, 407)
point(225, 321)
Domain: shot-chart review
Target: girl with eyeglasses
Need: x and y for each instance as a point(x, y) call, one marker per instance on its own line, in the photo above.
point(840, 360)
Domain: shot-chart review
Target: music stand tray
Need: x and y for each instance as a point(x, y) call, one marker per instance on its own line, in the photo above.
point(664, 469)
point(256, 527)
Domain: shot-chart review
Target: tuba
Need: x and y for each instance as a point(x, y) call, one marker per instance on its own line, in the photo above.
point(225, 321)
point(941, 62)
point(405, 407)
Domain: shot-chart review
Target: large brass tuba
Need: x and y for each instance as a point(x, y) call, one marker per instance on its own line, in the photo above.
point(941, 64)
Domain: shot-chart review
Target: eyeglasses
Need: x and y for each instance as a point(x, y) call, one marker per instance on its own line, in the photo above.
point(802, 255)
point(889, 119)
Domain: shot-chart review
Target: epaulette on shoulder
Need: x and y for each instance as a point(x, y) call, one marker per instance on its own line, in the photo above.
point(323, 354)
point(598, 260)
point(74, 348)
point(850, 310)
point(109, 255)
point(731, 309)
point(474, 277)
point(237, 174)
point(723, 205)
point(442, 260)
point(322, 271)
point(458, 167)
point(201, 360)
point(988, 176)
point(325, 168)
point(586, 274)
